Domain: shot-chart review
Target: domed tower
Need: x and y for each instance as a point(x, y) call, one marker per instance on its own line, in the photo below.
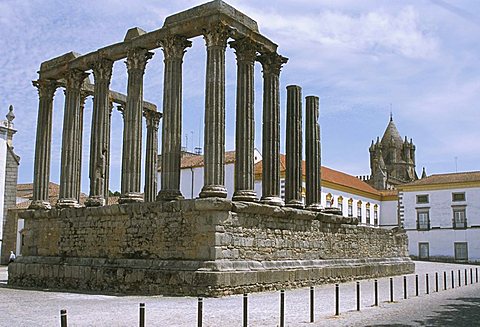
point(392, 160)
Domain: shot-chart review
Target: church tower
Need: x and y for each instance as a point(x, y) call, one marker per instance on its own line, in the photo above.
point(392, 160)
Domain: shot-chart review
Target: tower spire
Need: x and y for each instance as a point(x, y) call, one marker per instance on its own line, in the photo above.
point(391, 113)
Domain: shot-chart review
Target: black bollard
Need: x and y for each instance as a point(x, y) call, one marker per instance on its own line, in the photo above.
point(391, 289)
point(427, 286)
point(200, 312)
point(282, 308)
point(416, 285)
point(444, 280)
point(63, 318)
point(466, 277)
point(337, 300)
point(142, 315)
point(376, 292)
point(405, 287)
point(471, 275)
point(245, 309)
point(358, 296)
point(459, 278)
point(312, 304)
point(453, 280)
point(436, 282)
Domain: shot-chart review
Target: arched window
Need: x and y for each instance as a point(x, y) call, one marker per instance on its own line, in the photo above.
point(350, 207)
point(340, 203)
point(367, 213)
point(329, 200)
point(359, 210)
point(375, 215)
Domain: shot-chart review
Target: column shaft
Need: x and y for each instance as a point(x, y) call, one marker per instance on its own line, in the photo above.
point(102, 72)
point(43, 142)
point(214, 134)
point(245, 124)
point(271, 64)
point(313, 156)
point(132, 131)
point(173, 49)
point(153, 118)
point(79, 148)
point(293, 175)
point(71, 133)
point(108, 127)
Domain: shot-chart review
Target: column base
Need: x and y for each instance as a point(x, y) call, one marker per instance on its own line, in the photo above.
point(245, 195)
point(315, 207)
point(169, 195)
point(272, 200)
point(67, 203)
point(297, 204)
point(95, 201)
point(213, 191)
point(40, 204)
point(131, 197)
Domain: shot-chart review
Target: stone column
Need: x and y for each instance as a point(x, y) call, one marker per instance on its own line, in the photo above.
point(108, 127)
point(132, 131)
point(214, 134)
point(293, 176)
point(102, 72)
point(313, 155)
point(153, 119)
point(271, 63)
point(245, 124)
point(79, 148)
point(71, 130)
point(173, 49)
point(41, 168)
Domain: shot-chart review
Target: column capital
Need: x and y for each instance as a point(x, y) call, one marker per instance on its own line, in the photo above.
point(174, 47)
point(75, 79)
point(272, 62)
point(102, 70)
point(216, 35)
point(46, 87)
point(152, 118)
point(245, 49)
point(137, 59)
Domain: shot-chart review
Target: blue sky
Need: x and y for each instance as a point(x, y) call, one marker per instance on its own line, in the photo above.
point(361, 58)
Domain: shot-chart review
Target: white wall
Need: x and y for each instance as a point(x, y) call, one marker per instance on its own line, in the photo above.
point(389, 214)
point(3, 167)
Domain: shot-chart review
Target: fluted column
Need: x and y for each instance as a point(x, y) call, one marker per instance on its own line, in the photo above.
point(153, 119)
point(214, 134)
point(71, 133)
point(245, 124)
point(313, 155)
point(293, 176)
point(79, 147)
point(108, 128)
point(132, 131)
point(173, 49)
point(43, 142)
point(272, 64)
point(102, 72)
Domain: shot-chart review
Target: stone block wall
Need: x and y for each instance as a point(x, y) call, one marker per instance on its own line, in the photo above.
point(200, 247)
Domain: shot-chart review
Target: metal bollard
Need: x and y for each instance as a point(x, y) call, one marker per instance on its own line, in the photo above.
point(416, 285)
point(476, 275)
point(391, 289)
point(376, 292)
point(200, 312)
point(63, 318)
point(405, 287)
point(282, 308)
point(471, 275)
point(312, 304)
point(337, 300)
point(453, 280)
point(358, 296)
point(466, 277)
point(459, 278)
point(436, 282)
point(427, 286)
point(245, 309)
point(142, 315)
point(444, 280)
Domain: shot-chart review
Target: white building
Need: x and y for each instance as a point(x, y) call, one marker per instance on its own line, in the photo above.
point(441, 214)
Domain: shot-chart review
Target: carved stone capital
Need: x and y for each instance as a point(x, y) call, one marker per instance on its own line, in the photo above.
point(137, 59)
point(102, 70)
point(152, 118)
point(46, 87)
point(174, 47)
point(75, 79)
point(272, 62)
point(245, 49)
point(217, 35)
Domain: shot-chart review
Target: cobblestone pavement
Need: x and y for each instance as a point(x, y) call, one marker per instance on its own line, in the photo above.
point(453, 307)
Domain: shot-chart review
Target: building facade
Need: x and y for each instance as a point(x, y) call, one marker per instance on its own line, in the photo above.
point(441, 214)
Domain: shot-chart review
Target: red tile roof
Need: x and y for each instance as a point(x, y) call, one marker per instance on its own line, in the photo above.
point(449, 178)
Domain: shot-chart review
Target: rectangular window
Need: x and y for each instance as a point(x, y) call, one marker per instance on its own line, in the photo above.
point(459, 218)
point(461, 251)
point(422, 198)
point(359, 213)
point(350, 210)
point(458, 196)
point(423, 220)
point(340, 206)
point(423, 251)
point(375, 218)
point(367, 216)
